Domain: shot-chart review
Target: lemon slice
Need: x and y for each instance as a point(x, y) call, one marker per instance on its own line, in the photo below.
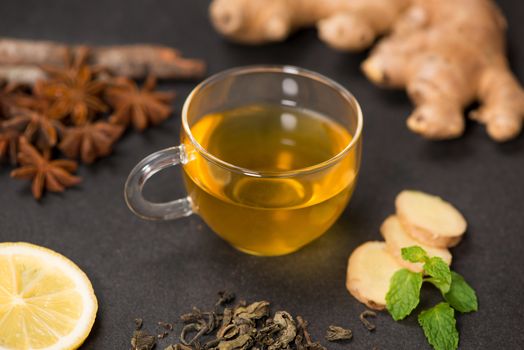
point(46, 301)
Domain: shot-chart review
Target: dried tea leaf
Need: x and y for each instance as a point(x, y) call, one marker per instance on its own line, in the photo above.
point(211, 344)
point(225, 297)
point(138, 323)
point(245, 326)
point(200, 328)
point(165, 325)
point(363, 318)
point(227, 330)
point(336, 333)
point(252, 311)
point(299, 343)
point(193, 316)
point(303, 332)
point(178, 347)
point(142, 341)
point(162, 335)
point(288, 330)
point(264, 336)
point(212, 321)
point(243, 341)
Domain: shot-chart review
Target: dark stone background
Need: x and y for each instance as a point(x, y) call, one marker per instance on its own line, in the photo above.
point(158, 270)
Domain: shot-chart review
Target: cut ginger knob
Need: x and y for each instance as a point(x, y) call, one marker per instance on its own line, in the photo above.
point(429, 219)
point(397, 238)
point(370, 269)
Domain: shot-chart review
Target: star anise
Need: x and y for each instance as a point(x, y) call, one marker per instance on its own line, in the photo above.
point(5, 100)
point(9, 144)
point(11, 96)
point(73, 91)
point(52, 175)
point(36, 126)
point(73, 62)
point(90, 141)
point(136, 106)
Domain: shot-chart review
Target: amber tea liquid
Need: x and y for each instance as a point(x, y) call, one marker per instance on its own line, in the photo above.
point(277, 214)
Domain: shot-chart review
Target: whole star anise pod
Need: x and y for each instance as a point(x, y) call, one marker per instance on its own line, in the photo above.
point(12, 97)
point(36, 126)
point(52, 175)
point(9, 144)
point(73, 91)
point(139, 107)
point(5, 100)
point(90, 141)
point(74, 60)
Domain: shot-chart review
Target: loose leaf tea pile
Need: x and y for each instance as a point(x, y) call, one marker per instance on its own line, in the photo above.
point(78, 109)
point(239, 327)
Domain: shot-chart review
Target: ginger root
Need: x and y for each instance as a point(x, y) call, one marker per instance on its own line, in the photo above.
point(429, 219)
point(397, 238)
point(370, 269)
point(422, 220)
point(445, 53)
point(20, 60)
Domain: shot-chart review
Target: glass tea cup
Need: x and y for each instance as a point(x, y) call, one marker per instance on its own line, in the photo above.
point(270, 156)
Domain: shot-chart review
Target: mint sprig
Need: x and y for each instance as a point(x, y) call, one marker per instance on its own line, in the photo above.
point(439, 326)
point(438, 323)
point(461, 296)
point(414, 254)
point(404, 293)
point(439, 272)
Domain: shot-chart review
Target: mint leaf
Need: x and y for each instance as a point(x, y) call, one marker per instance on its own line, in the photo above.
point(439, 272)
point(404, 293)
point(414, 254)
point(439, 327)
point(461, 296)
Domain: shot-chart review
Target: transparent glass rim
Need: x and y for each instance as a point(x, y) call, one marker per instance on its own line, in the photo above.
point(352, 101)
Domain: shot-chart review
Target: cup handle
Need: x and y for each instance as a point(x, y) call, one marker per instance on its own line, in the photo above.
point(136, 180)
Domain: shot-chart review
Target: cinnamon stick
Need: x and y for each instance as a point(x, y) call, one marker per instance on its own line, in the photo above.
point(21, 74)
point(20, 60)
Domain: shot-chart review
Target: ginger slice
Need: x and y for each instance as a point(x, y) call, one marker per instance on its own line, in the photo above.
point(397, 238)
point(430, 219)
point(370, 269)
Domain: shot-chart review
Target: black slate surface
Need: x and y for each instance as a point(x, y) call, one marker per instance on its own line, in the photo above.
point(158, 270)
